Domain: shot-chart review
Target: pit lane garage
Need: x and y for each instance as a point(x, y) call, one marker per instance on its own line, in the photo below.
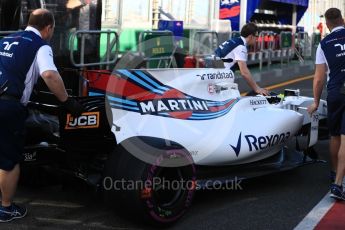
point(185, 125)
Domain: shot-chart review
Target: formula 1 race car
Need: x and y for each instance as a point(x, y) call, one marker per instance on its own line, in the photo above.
point(150, 138)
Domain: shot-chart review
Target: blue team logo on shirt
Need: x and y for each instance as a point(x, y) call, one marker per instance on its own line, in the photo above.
point(9, 45)
point(342, 47)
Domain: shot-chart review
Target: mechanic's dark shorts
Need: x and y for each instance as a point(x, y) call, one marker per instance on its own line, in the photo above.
point(12, 125)
point(336, 114)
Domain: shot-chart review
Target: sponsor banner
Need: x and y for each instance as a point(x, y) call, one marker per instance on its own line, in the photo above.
point(230, 9)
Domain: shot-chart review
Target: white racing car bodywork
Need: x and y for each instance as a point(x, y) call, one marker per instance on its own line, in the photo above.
point(192, 126)
point(202, 110)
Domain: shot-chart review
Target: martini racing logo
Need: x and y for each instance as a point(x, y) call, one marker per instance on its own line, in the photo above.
point(258, 143)
point(172, 105)
point(87, 120)
point(216, 76)
point(144, 94)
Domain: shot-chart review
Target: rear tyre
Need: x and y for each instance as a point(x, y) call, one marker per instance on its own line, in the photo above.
point(158, 195)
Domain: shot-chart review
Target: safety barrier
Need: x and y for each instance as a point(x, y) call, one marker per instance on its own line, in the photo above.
point(156, 47)
point(315, 41)
point(303, 46)
point(265, 46)
point(81, 37)
point(286, 46)
point(271, 47)
point(206, 42)
point(265, 49)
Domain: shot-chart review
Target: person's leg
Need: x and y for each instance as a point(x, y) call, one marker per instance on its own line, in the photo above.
point(336, 122)
point(8, 185)
point(334, 146)
point(12, 121)
point(341, 162)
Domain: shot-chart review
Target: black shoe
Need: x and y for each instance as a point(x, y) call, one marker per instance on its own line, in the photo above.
point(12, 212)
point(337, 192)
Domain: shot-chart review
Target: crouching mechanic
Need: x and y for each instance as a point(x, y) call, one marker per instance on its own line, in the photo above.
point(235, 51)
point(24, 56)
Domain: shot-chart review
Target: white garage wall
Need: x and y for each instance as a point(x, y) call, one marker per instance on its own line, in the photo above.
point(317, 8)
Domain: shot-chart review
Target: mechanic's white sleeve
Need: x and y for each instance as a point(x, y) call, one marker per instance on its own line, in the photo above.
point(320, 56)
point(45, 59)
point(240, 53)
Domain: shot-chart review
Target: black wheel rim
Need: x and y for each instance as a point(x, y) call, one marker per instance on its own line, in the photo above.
point(171, 189)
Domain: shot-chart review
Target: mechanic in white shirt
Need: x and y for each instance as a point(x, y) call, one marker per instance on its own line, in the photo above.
point(23, 57)
point(330, 59)
point(234, 52)
point(42, 63)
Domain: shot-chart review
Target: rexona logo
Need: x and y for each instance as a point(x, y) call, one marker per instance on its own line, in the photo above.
point(172, 105)
point(256, 143)
point(87, 120)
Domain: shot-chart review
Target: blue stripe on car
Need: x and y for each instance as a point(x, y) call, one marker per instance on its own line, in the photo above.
point(155, 84)
point(139, 81)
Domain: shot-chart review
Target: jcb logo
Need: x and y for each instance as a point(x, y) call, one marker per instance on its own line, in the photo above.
point(342, 47)
point(9, 45)
point(87, 120)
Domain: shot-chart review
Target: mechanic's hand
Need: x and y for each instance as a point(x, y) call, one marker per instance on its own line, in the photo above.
point(262, 91)
point(73, 106)
point(312, 108)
